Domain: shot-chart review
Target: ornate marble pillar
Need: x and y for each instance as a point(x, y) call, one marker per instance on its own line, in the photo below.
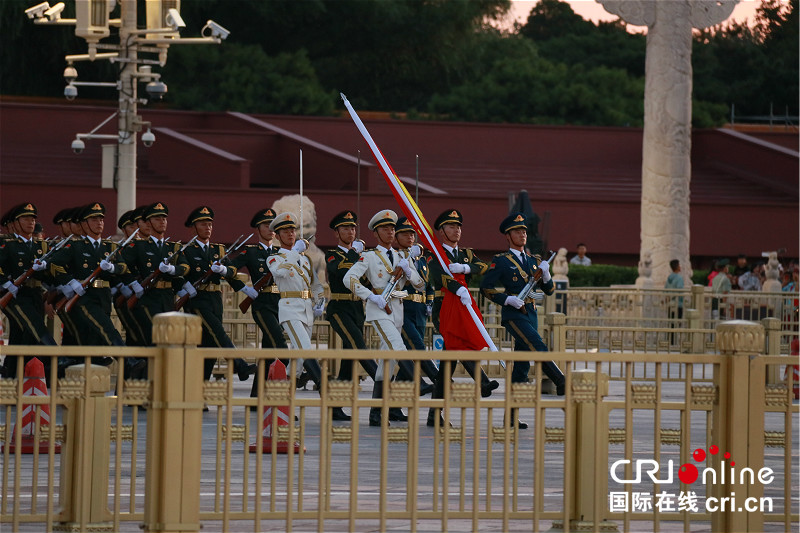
point(666, 165)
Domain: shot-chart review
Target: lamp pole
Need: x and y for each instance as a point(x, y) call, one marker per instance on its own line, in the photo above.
point(125, 181)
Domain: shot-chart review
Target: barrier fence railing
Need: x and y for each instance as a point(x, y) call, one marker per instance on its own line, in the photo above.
point(142, 452)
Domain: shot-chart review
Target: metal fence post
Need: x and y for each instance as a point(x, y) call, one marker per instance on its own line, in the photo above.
point(175, 417)
point(85, 467)
point(738, 427)
point(695, 323)
point(558, 334)
point(698, 300)
point(772, 327)
point(589, 456)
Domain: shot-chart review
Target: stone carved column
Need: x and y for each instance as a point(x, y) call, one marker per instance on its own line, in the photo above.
point(666, 165)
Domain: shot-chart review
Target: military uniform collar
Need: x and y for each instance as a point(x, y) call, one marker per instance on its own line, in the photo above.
point(519, 255)
point(202, 244)
point(93, 241)
point(267, 247)
point(23, 239)
point(452, 249)
point(155, 240)
point(345, 250)
point(383, 249)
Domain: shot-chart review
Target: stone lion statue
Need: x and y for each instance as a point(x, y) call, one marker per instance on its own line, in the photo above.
point(561, 265)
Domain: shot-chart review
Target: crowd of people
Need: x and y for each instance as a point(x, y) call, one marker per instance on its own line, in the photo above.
point(395, 287)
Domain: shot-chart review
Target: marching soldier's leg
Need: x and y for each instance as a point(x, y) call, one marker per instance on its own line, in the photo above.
point(352, 338)
point(391, 340)
point(271, 337)
point(528, 338)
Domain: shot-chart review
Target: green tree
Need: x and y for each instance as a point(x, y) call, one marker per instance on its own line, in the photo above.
point(244, 78)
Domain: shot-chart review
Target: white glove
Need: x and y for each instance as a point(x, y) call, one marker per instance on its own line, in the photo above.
point(66, 291)
point(378, 300)
point(407, 270)
point(249, 291)
point(39, 265)
point(137, 288)
point(76, 287)
point(544, 266)
point(114, 291)
point(459, 268)
point(10, 287)
point(181, 293)
point(190, 290)
point(166, 268)
point(466, 299)
point(125, 290)
point(107, 266)
point(217, 268)
point(514, 302)
point(358, 245)
point(319, 308)
point(429, 310)
point(300, 246)
point(538, 297)
point(415, 251)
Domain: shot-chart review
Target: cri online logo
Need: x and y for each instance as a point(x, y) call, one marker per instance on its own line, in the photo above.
point(688, 473)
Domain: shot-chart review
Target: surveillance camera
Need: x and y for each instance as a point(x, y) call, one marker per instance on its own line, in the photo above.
point(70, 73)
point(38, 10)
point(156, 89)
point(174, 20)
point(214, 30)
point(70, 92)
point(54, 13)
point(78, 146)
point(148, 138)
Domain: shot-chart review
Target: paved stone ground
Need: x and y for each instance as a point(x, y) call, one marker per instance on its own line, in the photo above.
point(397, 489)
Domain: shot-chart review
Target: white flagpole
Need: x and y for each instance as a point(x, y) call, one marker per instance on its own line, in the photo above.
point(301, 193)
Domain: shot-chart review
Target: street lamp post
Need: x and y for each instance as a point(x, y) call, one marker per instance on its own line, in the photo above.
point(92, 22)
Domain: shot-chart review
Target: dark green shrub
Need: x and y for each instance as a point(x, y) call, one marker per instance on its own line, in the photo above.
point(601, 275)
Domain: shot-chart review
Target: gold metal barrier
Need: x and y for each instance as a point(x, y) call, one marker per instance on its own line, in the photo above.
point(472, 470)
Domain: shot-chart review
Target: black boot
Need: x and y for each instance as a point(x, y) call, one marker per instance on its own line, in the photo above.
point(397, 415)
point(339, 414)
point(314, 371)
point(432, 414)
point(406, 373)
point(554, 373)
point(135, 368)
point(375, 412)
point(243, 369)
point(512, 419)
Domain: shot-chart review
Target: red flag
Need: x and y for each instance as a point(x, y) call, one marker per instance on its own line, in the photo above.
point(452, 319)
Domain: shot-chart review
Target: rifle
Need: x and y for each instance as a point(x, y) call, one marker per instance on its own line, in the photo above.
point(28, 273)
point(205, 277)
point(245, 304)
point(67, 304)
point(149, 280)
point(533, 283)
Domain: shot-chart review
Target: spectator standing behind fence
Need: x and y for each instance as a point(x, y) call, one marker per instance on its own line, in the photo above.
point(741, 268)
point(721, 284)
point(675, 281)
point(581, 258)
point(751, 280)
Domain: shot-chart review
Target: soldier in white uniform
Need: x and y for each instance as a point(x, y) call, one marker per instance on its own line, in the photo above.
point(299, 289)
point(378, 266)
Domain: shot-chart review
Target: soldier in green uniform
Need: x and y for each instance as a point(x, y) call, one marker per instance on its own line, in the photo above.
point(265, 300)
point(146, 257)
point(205, 300)
point(25, 311)
point(75, 263)
point(133, 334)
point(462, 261)
point(69, 336)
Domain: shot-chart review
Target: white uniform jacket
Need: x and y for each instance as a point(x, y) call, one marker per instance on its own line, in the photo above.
point(296, 280)
point(374, 265)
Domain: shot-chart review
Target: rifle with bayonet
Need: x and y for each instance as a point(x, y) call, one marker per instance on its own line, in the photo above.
point(66, 303)
point(28, 273)
point(533, 283)
point(149, 280)
point(235, 247)
point(397, 275)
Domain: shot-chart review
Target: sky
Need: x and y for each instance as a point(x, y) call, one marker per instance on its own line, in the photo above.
point(591, 10)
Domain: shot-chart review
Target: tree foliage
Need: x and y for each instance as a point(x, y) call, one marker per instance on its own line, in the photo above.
point(441, 57)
